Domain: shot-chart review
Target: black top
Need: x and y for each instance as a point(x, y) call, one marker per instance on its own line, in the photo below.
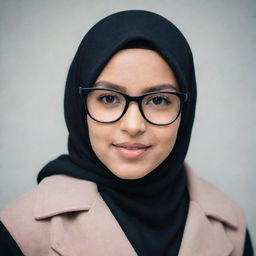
point(9, 247)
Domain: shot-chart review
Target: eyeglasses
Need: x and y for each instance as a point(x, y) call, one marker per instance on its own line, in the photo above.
point(108, 105)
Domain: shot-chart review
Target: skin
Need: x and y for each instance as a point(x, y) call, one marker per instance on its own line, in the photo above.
point(136, 70)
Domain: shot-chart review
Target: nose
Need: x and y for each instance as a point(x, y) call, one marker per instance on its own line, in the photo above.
point(133, 122)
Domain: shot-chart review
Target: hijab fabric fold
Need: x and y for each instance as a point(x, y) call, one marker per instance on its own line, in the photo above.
point(151, 210)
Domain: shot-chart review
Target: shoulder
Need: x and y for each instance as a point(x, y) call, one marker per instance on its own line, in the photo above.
point(213, 200)
point(219, 209)
point(17, 218)
point(29, 217)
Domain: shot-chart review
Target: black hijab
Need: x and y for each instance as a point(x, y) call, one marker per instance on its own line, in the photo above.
point(151, 210)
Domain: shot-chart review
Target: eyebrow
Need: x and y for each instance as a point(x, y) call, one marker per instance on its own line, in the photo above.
point(108, 85)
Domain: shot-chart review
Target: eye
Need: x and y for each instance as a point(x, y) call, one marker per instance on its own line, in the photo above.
point(109, 99)
point(158, 100)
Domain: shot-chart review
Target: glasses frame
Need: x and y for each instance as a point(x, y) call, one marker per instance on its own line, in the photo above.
point(83, 92)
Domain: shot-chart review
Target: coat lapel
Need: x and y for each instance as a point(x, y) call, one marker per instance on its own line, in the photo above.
point(203, 237)
point(210, 211)
point(81, 222)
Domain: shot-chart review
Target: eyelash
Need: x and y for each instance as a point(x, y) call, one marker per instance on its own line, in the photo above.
point(167, 101)
point(102, 97)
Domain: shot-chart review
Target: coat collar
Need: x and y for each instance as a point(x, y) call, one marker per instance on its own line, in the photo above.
point(59, 194)
point(214, 202)
point(203, 235)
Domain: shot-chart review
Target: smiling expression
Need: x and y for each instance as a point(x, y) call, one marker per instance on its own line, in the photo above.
point(132, 147)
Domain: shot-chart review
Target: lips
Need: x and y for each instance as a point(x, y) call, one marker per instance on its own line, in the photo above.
point(131, 146)
point(131, 150)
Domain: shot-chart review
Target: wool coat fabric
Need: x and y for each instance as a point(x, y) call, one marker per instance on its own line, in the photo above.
point(67, 216)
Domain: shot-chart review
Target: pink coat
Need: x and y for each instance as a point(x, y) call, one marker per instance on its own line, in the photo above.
point(67, 216)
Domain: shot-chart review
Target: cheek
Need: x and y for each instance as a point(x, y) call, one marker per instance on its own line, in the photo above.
point(100, 137)
point(166, 138)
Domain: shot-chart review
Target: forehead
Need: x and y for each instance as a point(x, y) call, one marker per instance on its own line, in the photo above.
point(137, 70)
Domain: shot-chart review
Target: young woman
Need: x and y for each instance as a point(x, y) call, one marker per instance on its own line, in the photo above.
point(124, 188)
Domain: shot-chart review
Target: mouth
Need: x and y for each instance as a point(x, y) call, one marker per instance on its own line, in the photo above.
point(131, 150)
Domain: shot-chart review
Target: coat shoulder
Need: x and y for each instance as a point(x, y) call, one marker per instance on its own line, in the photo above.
point(29, 217)
point(219, 208)
point(214, 202)
point(18, 219)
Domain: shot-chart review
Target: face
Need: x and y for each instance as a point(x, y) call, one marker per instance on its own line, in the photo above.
point(131, 147)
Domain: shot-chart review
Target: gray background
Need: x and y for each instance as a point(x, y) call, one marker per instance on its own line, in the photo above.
point(38, 42)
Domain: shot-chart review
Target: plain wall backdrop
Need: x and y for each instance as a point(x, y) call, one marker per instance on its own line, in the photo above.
point(38, 40)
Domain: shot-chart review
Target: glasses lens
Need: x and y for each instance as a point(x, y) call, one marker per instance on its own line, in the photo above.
point(104, 105)
point(161, 108)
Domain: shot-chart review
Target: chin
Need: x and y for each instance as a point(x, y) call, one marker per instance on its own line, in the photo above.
point(129, 175)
